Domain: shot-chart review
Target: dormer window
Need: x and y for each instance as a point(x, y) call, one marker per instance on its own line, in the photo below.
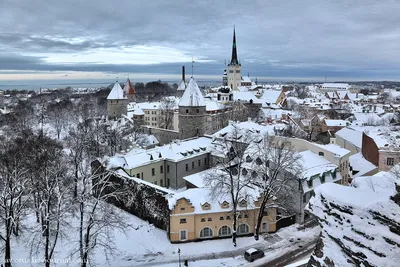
point(206, 206)
point(258, 161)
point(248, 158)
point(310, 183)
point(254, 174)
point(244, 171)
point(225, 205)
point(323, 178)
point(151, 157)
point(243, 203)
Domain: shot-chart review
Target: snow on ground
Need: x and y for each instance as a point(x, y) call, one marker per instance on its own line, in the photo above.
point(146, 245)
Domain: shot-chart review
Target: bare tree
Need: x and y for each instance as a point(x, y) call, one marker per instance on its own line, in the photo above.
point(13, 190)
point(167, 109)
point(228, 181)
point(51, 190)
point(97, 218)
point(279, 170)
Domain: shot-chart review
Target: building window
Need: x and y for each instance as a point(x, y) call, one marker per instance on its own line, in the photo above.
point(221, 218)
point(390, 161)
point(199, 163)
point(138, 175)
point(323, 178)
point(321, 154)
point(243, 229)
point(309, 183)
point(161, 182)
point(228, 217)
point(155, 182)
point(246, 216)
point(209, 219)
point(183, 235)
point(183, 220)
point(203, 219)
point(167, 168)
point(206, 232)
point(304, 197)
point(240, 216)
point(153, 172)
point(224, 231)
point(187, 167)
point(187, 111)
point(205, 161)
point(192, 165)
point(161, 169)
point(197, 110)
point(182, 209)
point(168, 182)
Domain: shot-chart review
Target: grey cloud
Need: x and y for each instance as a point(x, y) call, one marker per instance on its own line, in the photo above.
point(335, 37)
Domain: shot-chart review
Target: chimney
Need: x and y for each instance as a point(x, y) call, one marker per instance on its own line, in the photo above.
point(183, 73)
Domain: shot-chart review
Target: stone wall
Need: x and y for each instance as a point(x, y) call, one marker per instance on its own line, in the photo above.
point(141, 200)
point(116, 108)
point(191, 122)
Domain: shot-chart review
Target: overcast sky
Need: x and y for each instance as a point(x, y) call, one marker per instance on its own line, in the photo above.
point(341, 39)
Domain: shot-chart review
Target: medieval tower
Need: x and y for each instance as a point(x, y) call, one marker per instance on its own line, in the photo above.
point(192, 112)
point(234, 68)
point(117, 102)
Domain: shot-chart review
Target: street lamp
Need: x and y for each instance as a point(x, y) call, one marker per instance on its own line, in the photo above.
point(179, 256)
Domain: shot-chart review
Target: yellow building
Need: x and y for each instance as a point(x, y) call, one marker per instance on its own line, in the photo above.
point(194, 216)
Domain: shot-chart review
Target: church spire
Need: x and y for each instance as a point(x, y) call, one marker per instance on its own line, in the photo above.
point(234, 59)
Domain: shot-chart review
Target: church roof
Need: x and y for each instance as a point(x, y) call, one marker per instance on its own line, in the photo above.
point(116, 92)
point(234, 59)
point(138, 112)
point(182, 86)
point(128, 88)
point(192, 96)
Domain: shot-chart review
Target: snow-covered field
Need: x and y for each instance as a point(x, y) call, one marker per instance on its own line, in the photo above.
point(145, 245)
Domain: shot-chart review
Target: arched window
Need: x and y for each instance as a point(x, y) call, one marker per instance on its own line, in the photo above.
point(243, 229)
point(224, 231)
point(206, 232)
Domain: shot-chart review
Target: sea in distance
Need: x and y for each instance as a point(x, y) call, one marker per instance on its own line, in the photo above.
point(36, 85)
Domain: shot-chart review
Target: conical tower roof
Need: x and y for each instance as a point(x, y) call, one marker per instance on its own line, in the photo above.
point(182, 86)
point(128, 88)
point(234, 59)
point(192, 97)
point(116, 92)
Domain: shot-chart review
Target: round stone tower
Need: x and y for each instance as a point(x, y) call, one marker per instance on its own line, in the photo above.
point(192, 112)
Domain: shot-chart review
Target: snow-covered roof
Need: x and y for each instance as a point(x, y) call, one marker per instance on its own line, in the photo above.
point(270, 96)
point(116, 93)
point(246, 79)
point(128, 88)
point(182, 86)
point(314, 164)
point(192, 96)
point(138, 112)
point(173, 152)
point(335, 149)
point(196, 179)
point(245, 97)
point(351, 135)
point(200, 196)
point(247, 128)
point(214, 105)
point(369, 118)
point(360, 164)
point(335, 123)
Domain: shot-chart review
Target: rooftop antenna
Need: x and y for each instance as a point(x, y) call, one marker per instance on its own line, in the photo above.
point(192, 66)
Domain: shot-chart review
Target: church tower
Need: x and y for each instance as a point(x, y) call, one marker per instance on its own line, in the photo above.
point(234, 68)
point(192, 112)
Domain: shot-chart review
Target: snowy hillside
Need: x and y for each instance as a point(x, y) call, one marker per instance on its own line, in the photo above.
point(361, 224)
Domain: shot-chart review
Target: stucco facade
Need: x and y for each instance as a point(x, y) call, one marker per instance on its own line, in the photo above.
point(168, 173)
point(188, 224)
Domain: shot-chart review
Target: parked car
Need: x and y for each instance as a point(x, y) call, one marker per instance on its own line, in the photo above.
point(253, 254)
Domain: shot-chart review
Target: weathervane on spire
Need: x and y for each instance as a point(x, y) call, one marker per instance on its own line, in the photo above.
point(192, 66)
